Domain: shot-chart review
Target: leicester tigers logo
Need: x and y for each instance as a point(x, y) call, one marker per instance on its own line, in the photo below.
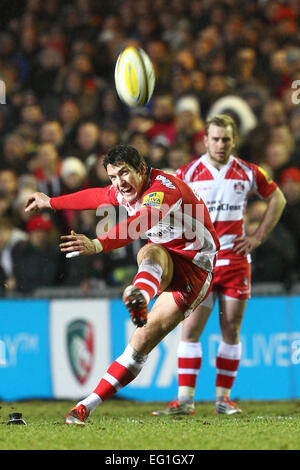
point(80, 344)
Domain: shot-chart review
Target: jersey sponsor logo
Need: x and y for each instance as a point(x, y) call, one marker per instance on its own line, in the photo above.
point(162, 231)
point(239, 187)
point(212, 207)
point(165, 181)
point(153, 199)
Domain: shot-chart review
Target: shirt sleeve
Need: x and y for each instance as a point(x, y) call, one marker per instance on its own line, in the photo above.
point(180, 173)
point(86, 199)
point(161, 195)
point(264, 185)
point(130, 229)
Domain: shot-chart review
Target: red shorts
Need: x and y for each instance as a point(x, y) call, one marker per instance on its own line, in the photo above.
point(190, 284)
point(233, 279)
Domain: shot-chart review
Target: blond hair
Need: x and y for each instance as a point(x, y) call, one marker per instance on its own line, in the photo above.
point(222, 120)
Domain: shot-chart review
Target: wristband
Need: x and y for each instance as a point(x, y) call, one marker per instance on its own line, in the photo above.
point(97, 244)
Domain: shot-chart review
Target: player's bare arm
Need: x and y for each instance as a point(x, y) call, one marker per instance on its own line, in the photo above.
point(37, 201)
point(276, 203)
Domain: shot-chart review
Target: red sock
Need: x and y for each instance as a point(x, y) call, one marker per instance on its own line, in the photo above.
point(120, 373)
point(227, 363)
point(189, 363)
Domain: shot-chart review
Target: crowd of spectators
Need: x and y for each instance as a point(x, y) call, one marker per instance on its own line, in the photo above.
point(60, 114)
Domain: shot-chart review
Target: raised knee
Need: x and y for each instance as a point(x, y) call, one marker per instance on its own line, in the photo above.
point(152, 252)
point(159, 255)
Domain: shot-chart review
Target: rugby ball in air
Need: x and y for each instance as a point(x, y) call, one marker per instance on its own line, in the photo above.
point(134, 77)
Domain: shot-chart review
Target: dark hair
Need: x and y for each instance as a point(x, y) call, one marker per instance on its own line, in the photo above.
point(123, 154)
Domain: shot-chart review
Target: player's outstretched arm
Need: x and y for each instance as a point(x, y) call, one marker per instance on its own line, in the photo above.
point(37, 201)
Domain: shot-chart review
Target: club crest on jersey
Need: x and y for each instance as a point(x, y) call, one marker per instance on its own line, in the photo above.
point(165, 181)
point(153, 199)
point(239, 187)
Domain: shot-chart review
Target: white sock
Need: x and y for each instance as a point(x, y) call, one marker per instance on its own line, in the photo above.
point(91, 402)
point(148, 279)
point(227, 362)
point(189, 363)
point(132, 363)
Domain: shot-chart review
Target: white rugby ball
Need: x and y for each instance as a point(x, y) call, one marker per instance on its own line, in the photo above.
point(134, 77)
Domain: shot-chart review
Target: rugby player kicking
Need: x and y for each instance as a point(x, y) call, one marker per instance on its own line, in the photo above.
point(176, 263)
point(224, 182)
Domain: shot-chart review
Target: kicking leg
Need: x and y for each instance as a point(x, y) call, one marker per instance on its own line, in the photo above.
point(154, 274)
point(163, 318)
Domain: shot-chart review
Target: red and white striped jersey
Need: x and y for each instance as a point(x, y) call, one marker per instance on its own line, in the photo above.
point(225, 193)
point(168, 213)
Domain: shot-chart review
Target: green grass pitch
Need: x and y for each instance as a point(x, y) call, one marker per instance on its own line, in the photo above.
point(125, 425)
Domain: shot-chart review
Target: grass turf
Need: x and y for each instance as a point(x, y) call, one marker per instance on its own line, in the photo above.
point(125, 425)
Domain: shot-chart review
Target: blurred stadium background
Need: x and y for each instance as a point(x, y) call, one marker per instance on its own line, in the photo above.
point(62, 321)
